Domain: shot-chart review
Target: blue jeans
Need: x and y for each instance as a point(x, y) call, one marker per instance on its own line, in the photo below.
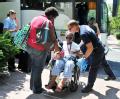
point(66, 66)
point(37, 65)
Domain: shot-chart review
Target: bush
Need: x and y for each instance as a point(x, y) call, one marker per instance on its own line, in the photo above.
point(115, 23)
point(2, 62)
point(118, 35)
point(7, 50)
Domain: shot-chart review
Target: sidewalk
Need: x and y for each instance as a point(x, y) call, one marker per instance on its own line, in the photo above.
point(17, 85)
point(113, 43)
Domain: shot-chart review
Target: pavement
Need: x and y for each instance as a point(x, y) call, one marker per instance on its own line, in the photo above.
point(113, 43)
point(17, 85)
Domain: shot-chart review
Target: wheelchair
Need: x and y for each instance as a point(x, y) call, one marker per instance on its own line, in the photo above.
point(73, 83)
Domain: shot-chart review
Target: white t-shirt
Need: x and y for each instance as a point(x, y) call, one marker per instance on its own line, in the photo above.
point(69, 49)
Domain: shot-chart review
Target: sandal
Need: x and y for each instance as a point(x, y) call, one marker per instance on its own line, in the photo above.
point(51, 83)
point(58, 89)
point(60, 86)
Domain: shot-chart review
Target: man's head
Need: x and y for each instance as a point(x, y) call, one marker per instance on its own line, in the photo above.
point(73, 26)
point(51, 13)
point(69, 37)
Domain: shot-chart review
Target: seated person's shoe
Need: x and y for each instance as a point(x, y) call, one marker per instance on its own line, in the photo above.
point(51, 85)
point(109, 78)
point(58, 89)
point(60, 85)
point(87, 89)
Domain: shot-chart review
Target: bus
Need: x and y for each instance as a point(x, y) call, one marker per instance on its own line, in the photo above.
point(80, 10)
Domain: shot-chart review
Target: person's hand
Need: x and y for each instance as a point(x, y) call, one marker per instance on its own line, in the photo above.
point(57, 55)
point(62, 54)
point(16, 29)
point(17, 24)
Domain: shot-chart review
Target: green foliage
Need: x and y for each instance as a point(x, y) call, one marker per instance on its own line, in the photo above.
point(118, 35)
point(7, 50)
point(115, 24)
point(3, 66)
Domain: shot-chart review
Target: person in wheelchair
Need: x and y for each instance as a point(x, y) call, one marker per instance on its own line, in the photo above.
point(65, 63)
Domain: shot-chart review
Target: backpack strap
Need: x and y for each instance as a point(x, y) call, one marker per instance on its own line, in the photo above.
point(46, 32)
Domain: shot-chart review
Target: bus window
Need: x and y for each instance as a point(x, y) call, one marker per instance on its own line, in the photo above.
point(35, 4)
point(3, 0)
point(91, 13)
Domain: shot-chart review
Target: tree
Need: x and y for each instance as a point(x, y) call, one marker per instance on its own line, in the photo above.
point(115, 24)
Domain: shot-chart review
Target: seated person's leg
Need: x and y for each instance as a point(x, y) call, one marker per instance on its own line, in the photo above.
point(58, 67)
point(69, 65)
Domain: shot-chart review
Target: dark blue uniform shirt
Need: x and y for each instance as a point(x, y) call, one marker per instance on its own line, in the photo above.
point(88, 35)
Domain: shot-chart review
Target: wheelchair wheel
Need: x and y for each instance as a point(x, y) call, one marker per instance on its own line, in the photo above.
point(74, 83)
point(76, 74)
point(73, 86)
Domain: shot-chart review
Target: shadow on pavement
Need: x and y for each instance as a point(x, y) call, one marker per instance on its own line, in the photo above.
point(13, 83)
point(110, 93)
point(115, 66)
point(63, 95)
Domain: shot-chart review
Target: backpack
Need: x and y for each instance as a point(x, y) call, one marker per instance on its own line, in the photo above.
point(20, 39)
point(42, 33)
point(43, 40)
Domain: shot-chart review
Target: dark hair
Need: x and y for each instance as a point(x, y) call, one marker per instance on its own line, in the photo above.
point(11, 12)
point(51, 11)
point(92, 19)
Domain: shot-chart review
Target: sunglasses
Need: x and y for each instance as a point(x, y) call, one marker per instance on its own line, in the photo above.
point(69, 38)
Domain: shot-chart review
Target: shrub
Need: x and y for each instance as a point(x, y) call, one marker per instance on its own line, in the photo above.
point(7, 50)
point(118, 35)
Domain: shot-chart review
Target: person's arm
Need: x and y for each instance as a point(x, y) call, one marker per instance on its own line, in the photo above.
point(11, 30)
point(89, 46)
point(98, 30)
point(17, 24)
point(53, 38)
point(79, 54)
point(89, 50)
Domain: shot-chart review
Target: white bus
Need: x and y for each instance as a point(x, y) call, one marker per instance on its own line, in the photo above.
point(27, 9)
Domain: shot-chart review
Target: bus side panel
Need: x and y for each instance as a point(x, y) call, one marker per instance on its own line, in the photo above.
point(6, 6)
